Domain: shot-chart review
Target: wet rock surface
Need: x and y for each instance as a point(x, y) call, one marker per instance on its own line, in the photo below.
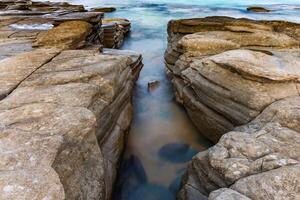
point(238, 80)
point(65, 107)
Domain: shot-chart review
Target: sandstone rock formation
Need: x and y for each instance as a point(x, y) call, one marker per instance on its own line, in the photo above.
point(226, 71)
point(65, 108)
point(115, 30)
point(49, 28)
point(239, 77)
point(259, 160)
point(65, 36)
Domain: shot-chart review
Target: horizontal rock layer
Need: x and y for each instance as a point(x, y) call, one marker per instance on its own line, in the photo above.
point(239, 77)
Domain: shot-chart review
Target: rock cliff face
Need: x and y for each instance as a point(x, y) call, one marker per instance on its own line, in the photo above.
point(65, 108)
point(239, 77)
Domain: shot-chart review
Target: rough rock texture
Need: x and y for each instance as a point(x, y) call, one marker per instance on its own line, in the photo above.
point(226, 71)
point(71, 114)
point(227, 194)
point(239, 76)
point(65, 36)
point(115, 30)
point(65, 108)
point(259, 160)
point(52, 27)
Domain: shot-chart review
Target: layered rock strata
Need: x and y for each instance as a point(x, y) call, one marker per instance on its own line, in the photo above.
point(226, 71)
point(115, 30)
point(49, 25)
point(65, 108)
point(68, 118)
point(239, 77)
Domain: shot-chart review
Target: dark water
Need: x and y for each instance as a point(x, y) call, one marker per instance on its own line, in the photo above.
point(162, 139)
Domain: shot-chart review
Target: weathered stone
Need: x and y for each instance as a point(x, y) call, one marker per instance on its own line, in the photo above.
point(115, 30)
point(32, 184)
point(14, 70)
point(238, 72)
point(231, 69)
point(226, 194)
point(67, 35)
point(54, 116)
point(257, 158)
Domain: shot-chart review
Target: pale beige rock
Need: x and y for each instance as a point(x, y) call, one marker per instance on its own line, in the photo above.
point(237, 72)
point(260, 160)
point(226, 194)
point(281, 183)
point(53, 116)
point(228, 70)
point(14, 70)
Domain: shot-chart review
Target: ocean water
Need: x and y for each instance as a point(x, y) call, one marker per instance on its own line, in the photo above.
point(162, 138)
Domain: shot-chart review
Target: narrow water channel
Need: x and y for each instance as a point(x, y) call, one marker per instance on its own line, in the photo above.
point(162, 139)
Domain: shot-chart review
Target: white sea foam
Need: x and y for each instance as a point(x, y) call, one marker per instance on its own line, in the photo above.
point(45, 26)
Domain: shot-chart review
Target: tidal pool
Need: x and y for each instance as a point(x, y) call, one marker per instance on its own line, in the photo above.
point(162, 138)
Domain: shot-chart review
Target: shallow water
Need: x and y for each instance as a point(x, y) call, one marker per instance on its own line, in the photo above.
point(162, 138)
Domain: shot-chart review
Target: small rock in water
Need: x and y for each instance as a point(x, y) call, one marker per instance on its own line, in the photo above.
point(152, 85)
point(257, 9)
point(177, 152)
point(104, 9)
point(151, 192)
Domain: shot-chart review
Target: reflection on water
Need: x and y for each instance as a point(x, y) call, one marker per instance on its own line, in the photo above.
point(162, 138)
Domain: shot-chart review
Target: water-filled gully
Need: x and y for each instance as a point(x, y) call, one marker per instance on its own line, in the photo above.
point(162, 138)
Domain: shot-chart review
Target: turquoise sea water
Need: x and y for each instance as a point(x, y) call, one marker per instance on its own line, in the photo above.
point(162, 138)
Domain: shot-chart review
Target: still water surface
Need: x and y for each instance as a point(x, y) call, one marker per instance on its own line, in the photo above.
point(162, 138)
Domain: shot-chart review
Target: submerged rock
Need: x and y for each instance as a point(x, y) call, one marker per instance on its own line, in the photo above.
point(104, 9)
point(258, 9)
point(152, 85)
point(177, 153)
